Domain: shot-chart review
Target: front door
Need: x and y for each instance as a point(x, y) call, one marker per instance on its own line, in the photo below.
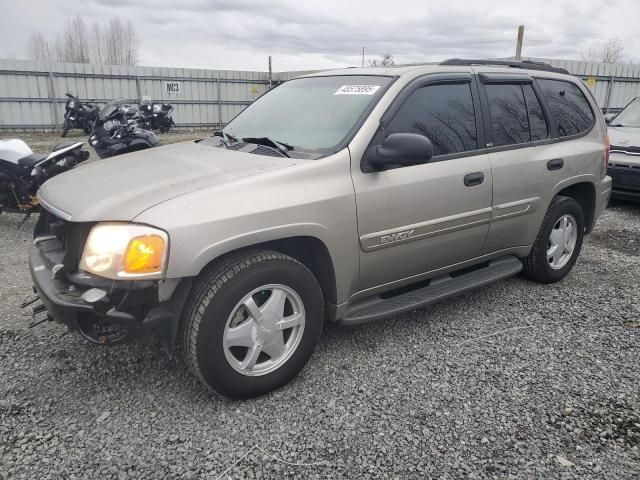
point(419, 218)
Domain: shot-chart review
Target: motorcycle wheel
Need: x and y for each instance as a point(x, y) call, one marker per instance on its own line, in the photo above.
point(66, 126)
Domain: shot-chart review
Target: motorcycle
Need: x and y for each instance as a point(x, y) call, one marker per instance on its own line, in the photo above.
point(78, 115)
point(156, 116)
point(22, 172)
point(116, 131)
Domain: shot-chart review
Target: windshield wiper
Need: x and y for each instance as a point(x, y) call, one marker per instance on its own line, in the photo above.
point(226, 138)
point(267, 142)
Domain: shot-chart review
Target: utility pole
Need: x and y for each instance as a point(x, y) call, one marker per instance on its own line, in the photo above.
point(519, 43)
point(363, 55)
point(269, 72)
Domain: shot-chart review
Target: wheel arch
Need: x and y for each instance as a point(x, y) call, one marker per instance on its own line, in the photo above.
point(308, 250)
point(583, 192)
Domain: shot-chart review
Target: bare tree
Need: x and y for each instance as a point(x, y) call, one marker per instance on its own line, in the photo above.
point(98, 54)
point(73, 46)
point(611, 51)
point(121, 43)
point(39, 49)
point(132, 45)
point(114, 44)
point(385, 60)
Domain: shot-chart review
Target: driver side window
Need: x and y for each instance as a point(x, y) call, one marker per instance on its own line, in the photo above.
point(444, 113)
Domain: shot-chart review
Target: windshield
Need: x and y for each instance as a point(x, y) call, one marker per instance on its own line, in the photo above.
point(629, 117)
point(313, 113)
point(112, 106)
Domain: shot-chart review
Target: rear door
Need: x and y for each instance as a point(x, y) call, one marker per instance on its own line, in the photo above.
point(527, 124)
point(418, 218)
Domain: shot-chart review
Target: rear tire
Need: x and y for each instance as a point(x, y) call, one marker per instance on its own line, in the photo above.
point(241, 351)
point(555, 252)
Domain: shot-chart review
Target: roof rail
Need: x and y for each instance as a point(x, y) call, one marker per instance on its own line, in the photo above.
point(527, 64)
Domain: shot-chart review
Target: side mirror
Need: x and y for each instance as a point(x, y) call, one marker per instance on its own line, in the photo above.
point(402, 149)
point(608, 117)
point(69, 95)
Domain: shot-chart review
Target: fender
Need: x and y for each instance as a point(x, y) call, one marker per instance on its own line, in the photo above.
point(216, 250)
point(57, 153)
point(585, 178)
point(345, 263)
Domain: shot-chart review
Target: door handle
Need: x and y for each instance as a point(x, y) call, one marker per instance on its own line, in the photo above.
point(473, 179)
point(555, 164)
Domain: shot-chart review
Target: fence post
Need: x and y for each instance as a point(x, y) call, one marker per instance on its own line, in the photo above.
point(608, 96)
point(53, 102)
point(219, 103)
point(138, 89)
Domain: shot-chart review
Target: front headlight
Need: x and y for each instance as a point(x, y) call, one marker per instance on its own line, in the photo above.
point(123, 251)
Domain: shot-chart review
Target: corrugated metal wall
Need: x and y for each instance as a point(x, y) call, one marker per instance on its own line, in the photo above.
point(616, 84)
point(32, 94)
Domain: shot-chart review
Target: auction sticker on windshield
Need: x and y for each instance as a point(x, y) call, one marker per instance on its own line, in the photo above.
point(357, 90)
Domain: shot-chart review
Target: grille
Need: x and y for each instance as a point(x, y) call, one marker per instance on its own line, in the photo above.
point(632, 149)
point(624, 165)
point(70, 236)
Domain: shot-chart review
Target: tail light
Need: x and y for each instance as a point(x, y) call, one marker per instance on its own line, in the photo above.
point(607, 147)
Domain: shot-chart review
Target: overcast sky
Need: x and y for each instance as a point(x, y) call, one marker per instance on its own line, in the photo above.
point(311, 34)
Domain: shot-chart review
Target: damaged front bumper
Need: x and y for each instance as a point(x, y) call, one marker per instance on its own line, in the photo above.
point(104, 312)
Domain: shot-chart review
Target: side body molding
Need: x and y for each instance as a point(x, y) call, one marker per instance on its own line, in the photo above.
point(409, 233)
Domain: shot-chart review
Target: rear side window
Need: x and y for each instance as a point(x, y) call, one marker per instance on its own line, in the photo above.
point(537, 121)
point(516, 114)
point(569, 107)
point(443, 113)
point(509, 120)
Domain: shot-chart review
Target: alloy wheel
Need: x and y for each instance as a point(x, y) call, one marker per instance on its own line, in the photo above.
point(264, 330)
point(562, 241)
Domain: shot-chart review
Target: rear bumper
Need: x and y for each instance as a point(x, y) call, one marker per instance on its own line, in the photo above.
point(626, 182)
point(603, 194)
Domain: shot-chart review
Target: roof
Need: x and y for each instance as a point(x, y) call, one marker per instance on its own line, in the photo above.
point(452, 65)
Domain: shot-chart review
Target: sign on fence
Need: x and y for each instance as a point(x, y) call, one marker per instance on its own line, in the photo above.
point(172, 87)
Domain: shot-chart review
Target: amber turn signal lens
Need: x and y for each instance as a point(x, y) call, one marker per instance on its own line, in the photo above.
point(144, 255)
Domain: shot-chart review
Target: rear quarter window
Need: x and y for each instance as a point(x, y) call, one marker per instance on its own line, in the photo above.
point(569, 107)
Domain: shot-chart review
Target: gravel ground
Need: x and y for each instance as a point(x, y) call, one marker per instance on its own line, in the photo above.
point(516, 380)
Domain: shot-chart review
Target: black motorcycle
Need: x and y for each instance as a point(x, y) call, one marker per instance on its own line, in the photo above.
point(156, 116)
point(22, 172)
point(116, 131)
point(78, 114)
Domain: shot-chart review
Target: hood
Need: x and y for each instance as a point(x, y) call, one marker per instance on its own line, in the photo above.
point(120, 188)
point(624, 136)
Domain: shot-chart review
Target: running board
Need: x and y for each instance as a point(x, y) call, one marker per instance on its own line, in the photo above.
point(438, 289)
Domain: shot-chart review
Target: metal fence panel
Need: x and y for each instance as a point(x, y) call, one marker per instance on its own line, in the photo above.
point(32, 95)
point(616, 84)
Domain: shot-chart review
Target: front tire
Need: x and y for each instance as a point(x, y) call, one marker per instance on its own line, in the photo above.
point(558, 243)
point(66, 126)
point(251, 323)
